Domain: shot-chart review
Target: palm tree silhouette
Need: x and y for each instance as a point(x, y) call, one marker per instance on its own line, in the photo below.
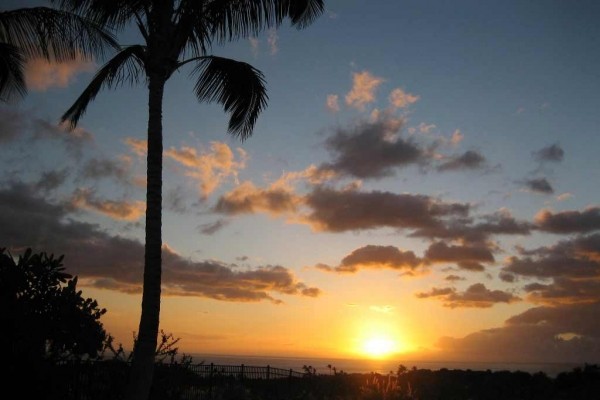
point(175, 33)
point(43, 32)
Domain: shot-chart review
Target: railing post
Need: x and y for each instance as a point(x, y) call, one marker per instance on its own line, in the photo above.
point(268, 372)
point(242, 373)
point(210, 381)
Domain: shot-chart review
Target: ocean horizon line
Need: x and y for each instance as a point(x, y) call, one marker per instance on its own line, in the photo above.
point(325, 365)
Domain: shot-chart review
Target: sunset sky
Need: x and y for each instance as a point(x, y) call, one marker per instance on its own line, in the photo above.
point(424, 183)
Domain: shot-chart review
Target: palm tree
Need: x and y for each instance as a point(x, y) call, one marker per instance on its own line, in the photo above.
point(43, 32)
point(175, 33)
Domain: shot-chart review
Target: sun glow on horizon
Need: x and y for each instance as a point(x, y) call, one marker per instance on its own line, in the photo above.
point(379, 347)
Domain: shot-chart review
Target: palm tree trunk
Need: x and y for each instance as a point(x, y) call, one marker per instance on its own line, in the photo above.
point(142, 368)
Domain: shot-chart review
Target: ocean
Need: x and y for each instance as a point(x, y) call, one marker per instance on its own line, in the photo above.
point(378, 366)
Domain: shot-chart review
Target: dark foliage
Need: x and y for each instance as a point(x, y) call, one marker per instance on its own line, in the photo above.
point(43, 319)
point(42, 314)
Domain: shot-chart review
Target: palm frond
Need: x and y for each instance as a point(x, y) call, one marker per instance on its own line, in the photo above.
point(127, 66)
point(112, 13)
point(192, 33)
point(53, 34)
point(12, 81)
point(234, 19)
point(236, 85)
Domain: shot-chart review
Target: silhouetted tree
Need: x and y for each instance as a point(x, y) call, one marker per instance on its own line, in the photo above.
point(43, 32)
point(43, 319)
point(175, 33)
point(42, 314)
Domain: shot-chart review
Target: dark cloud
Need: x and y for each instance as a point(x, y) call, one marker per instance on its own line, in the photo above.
point(101, 168)
point(468, 160)
point(540, 185)
point(564, 291)
point(552, 263)
point(51, 180)
point(371, 149)
point(569, 221)
point(476, 295)
point(454, 278)
point(467, 256)
point(213, 227)
point(375, 257)
point(573, 265)
point(346, 210)
point(116, 262)
point(552, 153)
point(507, 277)
point(569, 333)
point(470, 230)
point(174, 200)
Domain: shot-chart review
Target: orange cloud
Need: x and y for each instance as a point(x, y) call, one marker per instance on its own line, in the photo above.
point(209, 168)
point(41, 75)
point(332, 103)
point(137, 146)
point(363, 89)
point(401, 99)
point(123, 210)
point(248, 199)
point(457, 137)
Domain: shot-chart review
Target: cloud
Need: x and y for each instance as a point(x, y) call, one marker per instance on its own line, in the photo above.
point(116, 263)
point(536, 335)
point(400, 99)
point(101, 168)
point(371, 149)
point(248, 199)
point(212, 227)
point(466, 256)
point(569, 221)
point(540, 185)
point(137, 146)
point(421, 128)
point(564, 291)
point(454, 278)
point(457, 137)
point(382, 309)
point(174, 200)
point(51, 180)
point(332, 103)
point(375, 257)
point(363, 89)
point(73, 139)
point(476, 295)
point(272, 40)
point(466, 229)
point(254, 43)
point(124, 210)
point(564, 196)
point(41, 74)
point(552, 153)
point(375, 209)
point(209, 168)
point(576, 258)
point(12, 124)
point(470, 159)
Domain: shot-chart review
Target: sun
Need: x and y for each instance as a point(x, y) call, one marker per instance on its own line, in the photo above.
point(379, 346)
